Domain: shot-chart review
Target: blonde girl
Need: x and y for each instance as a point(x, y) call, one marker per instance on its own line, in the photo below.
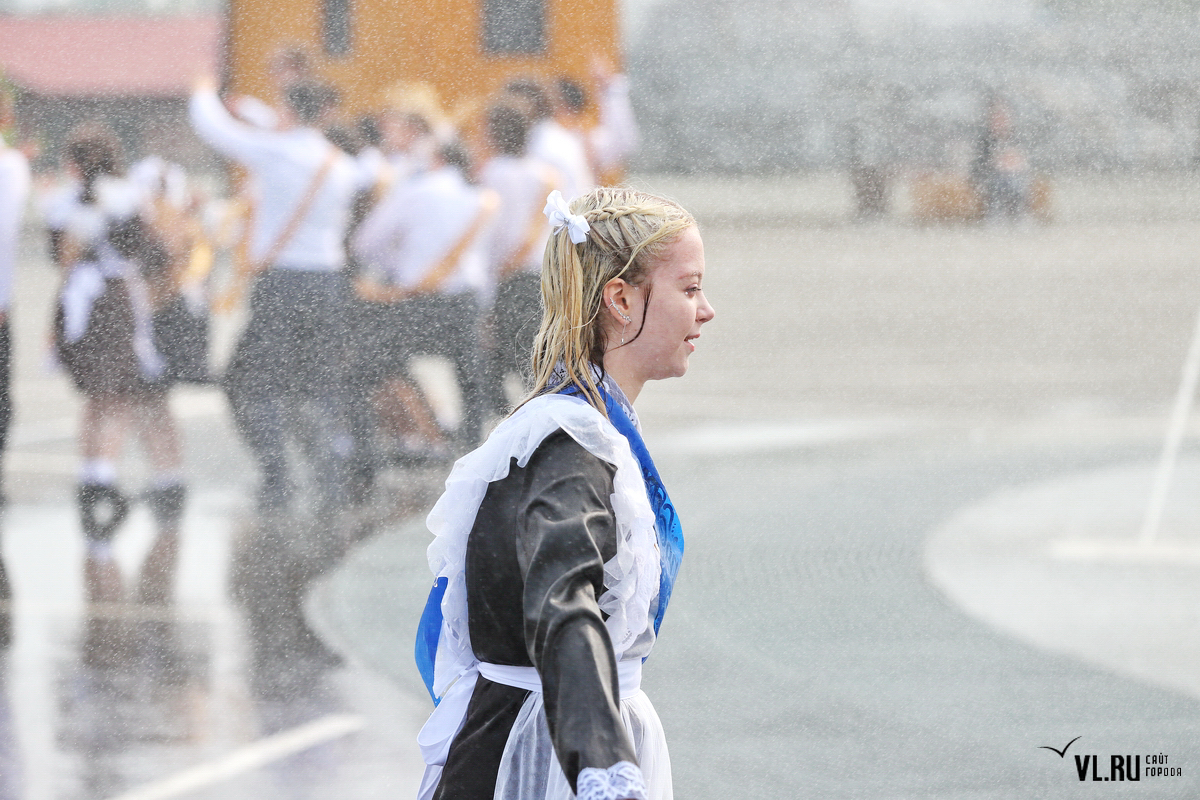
point(557, 545)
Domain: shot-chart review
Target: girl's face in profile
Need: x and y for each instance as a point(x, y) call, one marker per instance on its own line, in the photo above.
point(676, 311)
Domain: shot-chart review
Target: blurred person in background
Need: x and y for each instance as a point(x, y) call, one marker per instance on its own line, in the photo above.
point(179, 285)
point(550, 140)
point(290, 353)
point(14, 195)
point(421, 98)
point(1010, 197)
point(612, 140)
point(556, 540)
point(615, 138)
point(424, 249)
point(102, 237)
point(1000, 171)
point(407, 141)
point(518, 240)
point(289, 65)
point(869, 166)
point(400, 405)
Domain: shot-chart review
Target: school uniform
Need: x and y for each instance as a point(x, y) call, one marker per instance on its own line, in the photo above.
point(103, 328)
point(291, 348)
point(400, 242)
point(555, 553)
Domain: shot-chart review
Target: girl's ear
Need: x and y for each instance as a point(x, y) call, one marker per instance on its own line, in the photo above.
point(618, 301)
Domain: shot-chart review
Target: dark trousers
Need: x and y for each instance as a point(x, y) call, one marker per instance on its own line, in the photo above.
point(287, 375)
point(389, 335)
point(5, 383)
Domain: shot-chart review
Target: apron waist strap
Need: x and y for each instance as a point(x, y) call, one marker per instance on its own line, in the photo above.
point(629, 674)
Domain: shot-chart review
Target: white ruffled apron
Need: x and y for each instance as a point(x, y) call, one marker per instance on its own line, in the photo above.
point(529, 769)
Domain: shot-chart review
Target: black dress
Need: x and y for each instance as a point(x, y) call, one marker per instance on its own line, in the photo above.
point(534, 570)
point(103, 361)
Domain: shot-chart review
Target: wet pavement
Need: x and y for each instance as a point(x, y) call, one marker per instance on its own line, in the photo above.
point(885, 439)
point(224, 693)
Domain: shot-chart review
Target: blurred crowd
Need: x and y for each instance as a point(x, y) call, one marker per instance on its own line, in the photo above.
point(355, 246)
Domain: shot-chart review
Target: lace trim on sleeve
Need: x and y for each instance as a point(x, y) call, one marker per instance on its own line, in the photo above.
point(621, 781)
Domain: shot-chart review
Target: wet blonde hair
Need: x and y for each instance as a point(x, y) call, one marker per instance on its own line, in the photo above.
point(629, 229)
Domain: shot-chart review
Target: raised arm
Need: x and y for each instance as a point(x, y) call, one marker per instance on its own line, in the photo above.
point(224, 132)
point(615, 139)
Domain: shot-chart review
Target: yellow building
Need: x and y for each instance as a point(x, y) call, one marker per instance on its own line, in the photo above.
point(464, 48)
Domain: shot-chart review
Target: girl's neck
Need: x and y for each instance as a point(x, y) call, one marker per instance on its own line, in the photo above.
point(618, 371)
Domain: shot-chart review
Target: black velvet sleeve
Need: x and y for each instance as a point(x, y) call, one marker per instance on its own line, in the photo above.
point(565, 532)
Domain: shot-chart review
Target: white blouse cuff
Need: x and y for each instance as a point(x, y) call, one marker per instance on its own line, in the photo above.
point(621, 781)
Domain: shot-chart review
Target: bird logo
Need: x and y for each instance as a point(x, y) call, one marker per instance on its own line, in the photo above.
point(1061, 753)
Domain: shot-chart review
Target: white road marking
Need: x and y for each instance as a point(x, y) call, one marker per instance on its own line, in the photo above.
point(1185, 398)
point(1127, 551)
point(248, 758)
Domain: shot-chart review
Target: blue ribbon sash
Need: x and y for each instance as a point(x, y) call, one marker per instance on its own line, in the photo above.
point(666, 521)
point(428, 632)
point(666, 525)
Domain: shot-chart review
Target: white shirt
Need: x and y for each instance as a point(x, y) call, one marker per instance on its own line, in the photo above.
point(373, 162)
point(563, 150)
point(156, 178)
point(416, 223)
point(522, 185)
point(615, 139)
point(412, 162)
point(282, 165)
point(14, 193)
point(403, 167)
point(88, 223)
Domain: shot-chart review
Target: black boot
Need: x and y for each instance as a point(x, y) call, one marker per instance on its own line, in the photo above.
point(102, 509)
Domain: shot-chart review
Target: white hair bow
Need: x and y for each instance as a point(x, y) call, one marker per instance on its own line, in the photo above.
point(559, 214)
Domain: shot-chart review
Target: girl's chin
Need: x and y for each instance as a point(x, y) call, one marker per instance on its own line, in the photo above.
point(675, 371)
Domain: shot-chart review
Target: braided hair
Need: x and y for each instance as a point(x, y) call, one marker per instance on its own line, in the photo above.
point(629, 229)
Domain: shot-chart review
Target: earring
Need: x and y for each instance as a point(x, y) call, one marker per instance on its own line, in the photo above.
point(628, 319)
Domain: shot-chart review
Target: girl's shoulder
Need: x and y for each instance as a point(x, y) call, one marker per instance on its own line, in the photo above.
point(544, 414)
